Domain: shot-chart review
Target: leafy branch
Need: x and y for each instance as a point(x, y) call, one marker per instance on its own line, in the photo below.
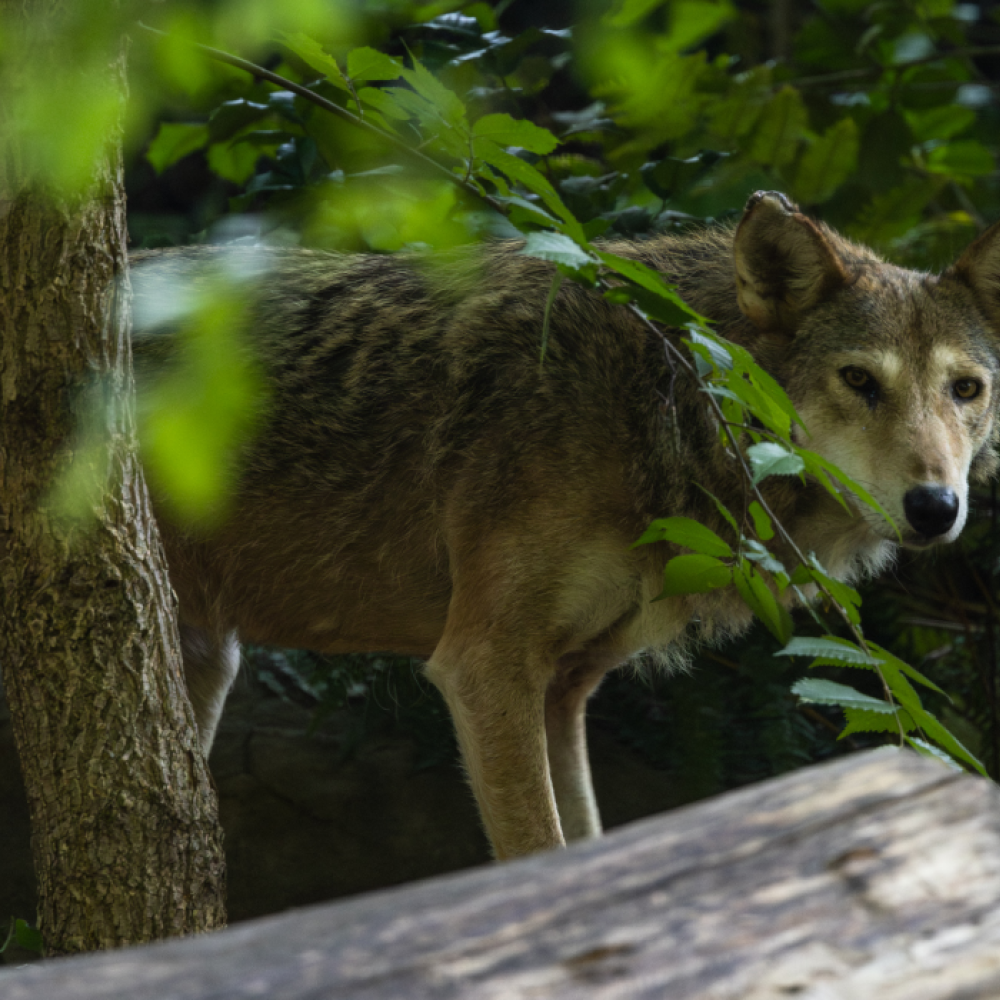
point(733, 384)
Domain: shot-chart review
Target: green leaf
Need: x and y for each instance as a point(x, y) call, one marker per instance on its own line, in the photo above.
point(761, 522)
point(507, 131)
point(886, 657)
point(524, 173)
point(829, 647)
point(627, 12)
point(645, 277)
point(771, 459)
point(432, 90)
point(815, 464)
point(827, 163)
point(233, 161)
point(230, 116)
point(965, 158)
point(383, 101)
point(173, 142)
point(694, 575)
point(762, 602)
point(941, 122)
point(556, 247)
point(312, 54)
point(687, 532)
point(864, 720)
point(27, 936)
point(940, 735)
point(716, 349)
point(823, 692)
point(722, 509)
point(780, 127)
point(370, 64)
point(927, 750)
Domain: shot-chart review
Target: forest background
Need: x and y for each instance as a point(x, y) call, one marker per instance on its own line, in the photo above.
point(881, 118)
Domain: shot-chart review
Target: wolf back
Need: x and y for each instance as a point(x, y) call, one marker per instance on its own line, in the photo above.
point(424, 482)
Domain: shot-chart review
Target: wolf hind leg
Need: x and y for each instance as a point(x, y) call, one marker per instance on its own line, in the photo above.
point(566, 731)
point(496, 695)
point(211, 663)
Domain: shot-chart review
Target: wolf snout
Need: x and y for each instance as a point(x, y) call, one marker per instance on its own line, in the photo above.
point(931, 510)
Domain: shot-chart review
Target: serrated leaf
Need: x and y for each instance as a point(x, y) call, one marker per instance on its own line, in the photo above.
point(694, 575)
point(525, 174)
point(384, 102)
point(926, 750)
point(369, 64)
point(715, 348)
point(311, 53)
point(558, 248)
point(823, 692)
point(509, 131)
point(930, 725)
point(863, 720)
point(174, 141)
point(886, 657)
point(652, 281)
point(687, 532)
point(781, 125)
point(429, 87)
point(771, 459)
point(827, 163)
point(828, 647)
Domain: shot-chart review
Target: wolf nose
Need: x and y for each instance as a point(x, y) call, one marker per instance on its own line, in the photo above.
point(931, 510)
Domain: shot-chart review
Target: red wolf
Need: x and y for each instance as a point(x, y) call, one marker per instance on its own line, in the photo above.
point(423, 485)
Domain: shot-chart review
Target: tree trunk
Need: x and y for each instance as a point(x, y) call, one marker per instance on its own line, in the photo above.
point(125, 833)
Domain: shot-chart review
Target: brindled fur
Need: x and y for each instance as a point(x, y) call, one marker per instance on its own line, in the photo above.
point(422, 483)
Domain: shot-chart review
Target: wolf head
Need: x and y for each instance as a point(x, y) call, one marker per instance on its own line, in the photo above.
point(895, 373)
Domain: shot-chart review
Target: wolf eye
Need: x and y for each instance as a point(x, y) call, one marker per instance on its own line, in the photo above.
point(966, 388)
point(859, 379)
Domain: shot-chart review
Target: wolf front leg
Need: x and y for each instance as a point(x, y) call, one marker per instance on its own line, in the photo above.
point(211, 663)
point(496, 695)
point(566, 731)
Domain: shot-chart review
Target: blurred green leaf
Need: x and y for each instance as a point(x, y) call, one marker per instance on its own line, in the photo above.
point(173, 142)
point(782, 124)
point(827, 163)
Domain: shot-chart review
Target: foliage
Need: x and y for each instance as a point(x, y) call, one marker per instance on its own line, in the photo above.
point(444, 125)
point(24, 935)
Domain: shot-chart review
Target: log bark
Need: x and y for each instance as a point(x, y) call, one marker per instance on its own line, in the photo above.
point(125, 834)
point(875, 876)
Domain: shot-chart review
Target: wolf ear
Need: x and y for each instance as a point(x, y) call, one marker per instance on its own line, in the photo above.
point(785, 263)
point(979, 268)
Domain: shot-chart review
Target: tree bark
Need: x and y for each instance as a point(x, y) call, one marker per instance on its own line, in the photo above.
point(125, 834)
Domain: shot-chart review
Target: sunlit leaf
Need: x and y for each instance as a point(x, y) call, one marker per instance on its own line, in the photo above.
point(687, 532)
point(771, 459)
point(694, 575)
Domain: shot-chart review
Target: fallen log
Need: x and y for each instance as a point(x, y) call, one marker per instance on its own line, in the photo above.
point(877, 876)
